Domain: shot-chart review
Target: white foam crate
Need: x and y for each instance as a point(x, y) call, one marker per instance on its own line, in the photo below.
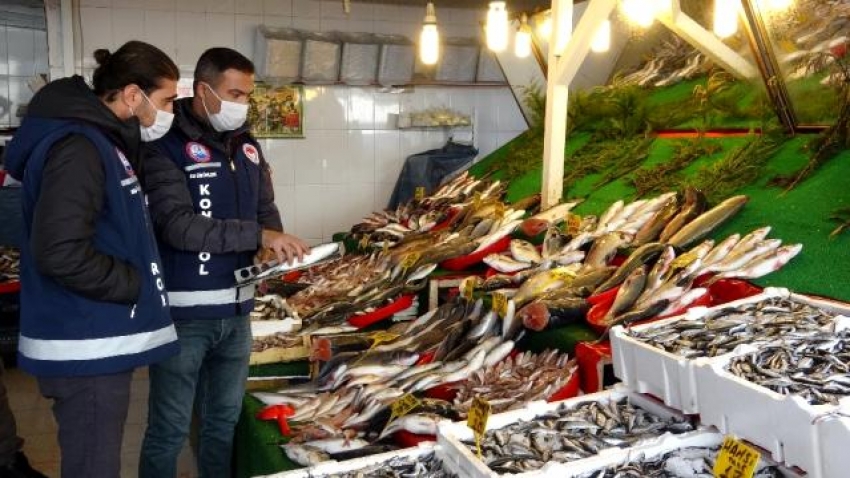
point(451, 434)
point(788, 427)
point(670, 377)
point(705, 438)
point(332, 467)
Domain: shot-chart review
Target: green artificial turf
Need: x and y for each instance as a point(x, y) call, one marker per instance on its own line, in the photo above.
point(798, 216)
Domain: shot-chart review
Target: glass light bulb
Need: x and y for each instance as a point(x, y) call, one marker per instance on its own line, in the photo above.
point(602, 38)
point(639, 12)
point(497, 27)
point(522, 43)
point(544, 28)
point(725, 17)
point(429, 44)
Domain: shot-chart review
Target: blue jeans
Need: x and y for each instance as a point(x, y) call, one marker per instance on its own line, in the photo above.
point(210, 373)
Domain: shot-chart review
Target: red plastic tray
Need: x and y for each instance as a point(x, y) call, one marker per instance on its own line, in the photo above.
point(469, 260)
point(377, 315)
point(569, 390)
point(10, 287)
point(592, 358)
point(405, 439)
point(452, 213)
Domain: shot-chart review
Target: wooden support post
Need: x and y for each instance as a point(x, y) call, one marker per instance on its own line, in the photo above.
point(579, 46)
point(707, 43)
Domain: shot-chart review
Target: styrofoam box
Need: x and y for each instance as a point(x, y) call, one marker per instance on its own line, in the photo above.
point(670, 377)
point(705, 438)
point(331, 468)
point(451, 435)
point(787, 426)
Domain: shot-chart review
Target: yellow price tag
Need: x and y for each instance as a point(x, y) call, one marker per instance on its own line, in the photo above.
point(500, 304)
point(386, 248)
point(573, 224)
point(419, 193)
point(500, 210)
point(404, 405)
point(736, 460)
point(479, 413)
point(410, 259)
point(382, 336)
point(364, 242)
point(467, 287)
point(683, 261)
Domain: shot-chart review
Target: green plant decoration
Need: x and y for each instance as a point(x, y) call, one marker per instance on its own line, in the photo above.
point(656, 179)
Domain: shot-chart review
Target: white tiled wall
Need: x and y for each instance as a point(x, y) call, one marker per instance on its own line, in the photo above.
point(23, 53)
point(348, 163)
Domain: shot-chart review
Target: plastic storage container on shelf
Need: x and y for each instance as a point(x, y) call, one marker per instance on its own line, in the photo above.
point(320, 59)
point(332, 468)
point(708, 439)
point(451, 435)
point(397, 59)
point(277, 54)
point(671, 377)
point(360, 55)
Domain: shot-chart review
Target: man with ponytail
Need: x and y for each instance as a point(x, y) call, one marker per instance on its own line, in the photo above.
point(93, 301)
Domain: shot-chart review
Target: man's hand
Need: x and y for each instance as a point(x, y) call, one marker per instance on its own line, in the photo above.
point(285, 247)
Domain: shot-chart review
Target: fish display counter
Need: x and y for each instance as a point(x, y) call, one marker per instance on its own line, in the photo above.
point(639, 261)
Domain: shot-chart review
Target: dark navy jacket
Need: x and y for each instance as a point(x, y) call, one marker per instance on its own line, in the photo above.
point(211, 196)
point(64, 333)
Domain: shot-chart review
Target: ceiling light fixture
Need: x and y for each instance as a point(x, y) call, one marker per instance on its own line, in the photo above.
point(522, 41)
point(429, 39)
point(497, 26)
point(602, 38)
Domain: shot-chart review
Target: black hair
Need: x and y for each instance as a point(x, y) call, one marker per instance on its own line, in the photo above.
point(216, 61)
point(136, 63)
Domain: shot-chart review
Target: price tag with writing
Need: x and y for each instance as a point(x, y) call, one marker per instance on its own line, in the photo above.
point(386, 248)
point(382, 336)
point(500, 210)
point(573, 224)
point(404, 405)
point(467, 287)
point(419, 193)
point(409, 260)
point(378, 338)
point(683, 261)
point(500, 303)
point(736, 459)
point(479, 413)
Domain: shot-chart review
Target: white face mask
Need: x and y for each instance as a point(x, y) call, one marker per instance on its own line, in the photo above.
point(161, 123)
point(231, 116)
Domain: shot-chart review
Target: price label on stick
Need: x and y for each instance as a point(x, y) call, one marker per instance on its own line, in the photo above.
point(467, 287)
point(500, 304)
point(573, 224)
point(403, 406)
point(419, 193)
point(382, 336)
point(409, 260)
point(736, 459)
point(683, 261)
point(479, 413)
point(500, 210)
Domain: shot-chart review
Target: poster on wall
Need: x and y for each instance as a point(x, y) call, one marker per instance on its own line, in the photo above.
point(277, 111)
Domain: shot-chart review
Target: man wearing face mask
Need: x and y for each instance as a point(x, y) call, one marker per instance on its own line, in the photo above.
point(213, 209)
point(93, 303)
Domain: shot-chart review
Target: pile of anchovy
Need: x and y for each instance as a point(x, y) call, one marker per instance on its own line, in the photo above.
point(721, 331)
point(279, 340)
point(428, 466)
point(569, 434)
point(10, 259)
point(691, 462)
point(516, 381)
point(816, 368)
